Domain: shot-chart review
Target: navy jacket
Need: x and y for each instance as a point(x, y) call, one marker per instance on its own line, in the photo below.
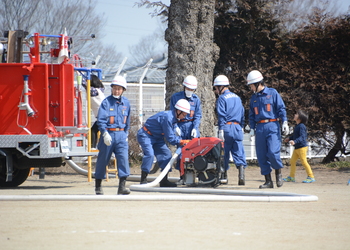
point(299, 136)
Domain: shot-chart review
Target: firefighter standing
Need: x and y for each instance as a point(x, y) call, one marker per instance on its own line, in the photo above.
point(151, 138)
point(188, 127)
point(230, 122)
point(113, 121)
point(266, 109)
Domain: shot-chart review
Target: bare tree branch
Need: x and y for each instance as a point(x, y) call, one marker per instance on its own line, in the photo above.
point(159, 8)
point(53, 17)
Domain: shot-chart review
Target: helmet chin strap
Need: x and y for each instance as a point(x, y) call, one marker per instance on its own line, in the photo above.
point(256, 87)
point(220, 89)
point(178, 113)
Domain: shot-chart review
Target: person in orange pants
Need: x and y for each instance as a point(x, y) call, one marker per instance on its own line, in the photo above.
point(299, 141)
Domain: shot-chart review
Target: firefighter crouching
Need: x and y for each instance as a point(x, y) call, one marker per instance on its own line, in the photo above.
point(188, 127)
point(151, 138)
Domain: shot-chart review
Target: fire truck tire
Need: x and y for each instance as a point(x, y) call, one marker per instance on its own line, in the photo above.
point(18, 177)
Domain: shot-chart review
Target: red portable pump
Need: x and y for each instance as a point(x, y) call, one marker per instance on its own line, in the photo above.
point(202, 161)
point(41, 110)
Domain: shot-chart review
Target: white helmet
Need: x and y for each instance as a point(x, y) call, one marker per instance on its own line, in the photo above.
point(190, 82)
point(221, 80)
point(254, 77)
point(183, 105)
point(119, 81)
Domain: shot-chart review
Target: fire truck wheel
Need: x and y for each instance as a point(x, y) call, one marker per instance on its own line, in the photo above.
point(18, 177)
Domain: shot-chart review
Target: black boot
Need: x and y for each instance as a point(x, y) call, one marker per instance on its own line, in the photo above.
point(143, 177)
point(268, 182)
point(279, 180)
point(98, 188)
point(122, 189)
point(241, 178)
point(223, 178)
point(166, 183)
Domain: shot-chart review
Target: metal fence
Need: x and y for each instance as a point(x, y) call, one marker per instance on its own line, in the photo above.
point(314, 151)
point(153, 99)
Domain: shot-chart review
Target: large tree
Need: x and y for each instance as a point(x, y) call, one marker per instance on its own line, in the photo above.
point(192, 52)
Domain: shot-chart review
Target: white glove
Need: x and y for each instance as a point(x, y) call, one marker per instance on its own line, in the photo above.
point(252, 132)
point(178, 131)
point(194, 133)
point(221, 135)
point(107, 139)
point(285, 128)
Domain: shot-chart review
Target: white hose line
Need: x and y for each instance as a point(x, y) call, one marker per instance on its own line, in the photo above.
point(161, 176)
point(135, 178)
point(239, 195)
point(205, 194)
point(185, 197)
point(215, 191)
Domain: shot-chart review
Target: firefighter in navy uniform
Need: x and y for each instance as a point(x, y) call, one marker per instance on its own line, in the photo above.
point(151, 138)
point(188, 127)
point(230, 122)
point(266, 109)
point(113, 121)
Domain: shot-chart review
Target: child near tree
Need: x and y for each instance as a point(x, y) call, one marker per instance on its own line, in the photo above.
point(299, 141)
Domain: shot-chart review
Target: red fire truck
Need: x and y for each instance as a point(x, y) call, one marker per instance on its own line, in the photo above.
point(41, 110)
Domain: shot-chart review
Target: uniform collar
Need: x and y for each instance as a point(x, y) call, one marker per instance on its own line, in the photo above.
point(263, 91)
point(120, 99)
point(225, 92)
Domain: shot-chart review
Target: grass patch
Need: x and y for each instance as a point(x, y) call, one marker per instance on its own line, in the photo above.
point(341, 165)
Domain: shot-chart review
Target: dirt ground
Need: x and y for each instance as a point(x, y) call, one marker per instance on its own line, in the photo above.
point(322, 224)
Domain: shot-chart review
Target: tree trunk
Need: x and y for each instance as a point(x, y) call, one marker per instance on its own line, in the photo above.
point(192, 51)
point(331, 156)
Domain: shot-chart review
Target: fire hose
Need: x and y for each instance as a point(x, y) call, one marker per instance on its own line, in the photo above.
point(202, 194)
point(206, 194)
